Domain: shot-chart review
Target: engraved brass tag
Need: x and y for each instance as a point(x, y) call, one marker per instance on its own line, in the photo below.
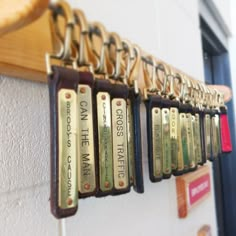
point(197, 139)
point(214, 141)
point(130, 139)
point(119, 130)
point(207, 133)
point(67, 128)
point(157, 142)
point(183, 131)
point(190, 142)
point(174, 113)
point(86, 168)
point(180, 161)
point(166, 141)
point(105, 141)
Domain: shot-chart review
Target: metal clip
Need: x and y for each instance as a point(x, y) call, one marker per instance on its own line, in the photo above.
point(115, 56)
point(132, 61)
point(86, 57)
point(64, 42)
point(150, 78)
point(100, 42)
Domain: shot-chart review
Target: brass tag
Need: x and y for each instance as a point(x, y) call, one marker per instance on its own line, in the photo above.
point(119, 130)
point(180, 161)
point(183, 131)
point(217, 120)
point(86, 168)
point(166, 141)
point(174, 113)
point(214, 140)
point(67, 129)
point(105, 141)
point(157, 142)
point(197, 139)
point(190, 142)
point(207, 133)
point(130, 137)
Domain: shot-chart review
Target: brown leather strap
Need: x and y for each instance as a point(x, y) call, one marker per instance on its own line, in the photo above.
point(61, 78)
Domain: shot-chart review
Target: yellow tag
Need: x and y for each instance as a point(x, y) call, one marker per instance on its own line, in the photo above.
point(67, 143)
point(174, 113)
point(157, 142)
point(86, 169)
point(166, 141)
point(119, 130)
point(105, 141)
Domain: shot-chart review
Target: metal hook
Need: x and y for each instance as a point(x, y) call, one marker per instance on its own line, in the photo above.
point(150, 79)
point(64, 51)
point(82, 41)
point(167, 77)
point(114, 39)
point(104, 63)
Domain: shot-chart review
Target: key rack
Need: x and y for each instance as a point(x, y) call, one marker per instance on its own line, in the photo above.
point(25, 37)
point(112, 90)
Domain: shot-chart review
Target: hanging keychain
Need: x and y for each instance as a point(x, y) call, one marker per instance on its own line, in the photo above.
point(87, 154)
point(102, 110)
point(197, 123)
point(132, 62)
point(175, 129)
point(226, 143)
point(167, 159)
point(63, 82)
point(153, 102)
point(119, 95)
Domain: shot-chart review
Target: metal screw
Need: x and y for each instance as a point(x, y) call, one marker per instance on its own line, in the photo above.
point(118, 103)
point(103, 97)
point(121, 183)
point(87, 186)
point(68, 95)
point(69, 201)
point(107, 184)
point(83, 90)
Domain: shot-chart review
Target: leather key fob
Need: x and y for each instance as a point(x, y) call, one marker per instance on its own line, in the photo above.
point(203, 148)
point(153, 109)
point(226, 143)
point(176, 149)
point(103, 135)
point(135, 101)
point(166, 140)
point(87, 156)
point(63, 85)
point(119, 96)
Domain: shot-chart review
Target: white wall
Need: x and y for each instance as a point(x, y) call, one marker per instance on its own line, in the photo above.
point(224, 8)
point(169, 29)
point(232, 46)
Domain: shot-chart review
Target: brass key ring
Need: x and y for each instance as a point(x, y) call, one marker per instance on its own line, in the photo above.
point(100, 49)
point(115, 56)
point(165, 84)
point(85, 57)
point(149, 78)
point(175, 92)
point(131, 63)
point(63, 43)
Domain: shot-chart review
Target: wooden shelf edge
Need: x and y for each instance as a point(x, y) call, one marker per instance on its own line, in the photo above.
point(19, 72)
point(22, 52)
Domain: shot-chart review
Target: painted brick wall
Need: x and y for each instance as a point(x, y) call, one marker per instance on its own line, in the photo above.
point(168, 29)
